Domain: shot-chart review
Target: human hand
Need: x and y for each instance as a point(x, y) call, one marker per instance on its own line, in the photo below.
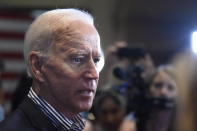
point(111, 52)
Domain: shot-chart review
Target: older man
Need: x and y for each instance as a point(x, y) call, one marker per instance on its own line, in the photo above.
point(63, 55)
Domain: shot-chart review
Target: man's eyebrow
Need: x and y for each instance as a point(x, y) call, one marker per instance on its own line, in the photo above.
point(77, 52)
point(70, 44)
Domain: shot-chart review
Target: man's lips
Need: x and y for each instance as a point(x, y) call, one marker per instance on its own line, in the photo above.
point(87, 92)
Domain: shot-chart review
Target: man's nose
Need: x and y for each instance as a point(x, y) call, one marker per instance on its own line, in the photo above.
point(92, 71)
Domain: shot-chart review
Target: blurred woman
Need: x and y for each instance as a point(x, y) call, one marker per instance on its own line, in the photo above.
point(162, 95)
point(110, 114)
point(163, 84)
point(187, 81)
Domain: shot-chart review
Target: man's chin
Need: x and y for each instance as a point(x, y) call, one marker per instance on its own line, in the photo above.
point(85, 107)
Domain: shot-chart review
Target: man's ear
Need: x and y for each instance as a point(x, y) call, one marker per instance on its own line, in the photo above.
point(35, 64)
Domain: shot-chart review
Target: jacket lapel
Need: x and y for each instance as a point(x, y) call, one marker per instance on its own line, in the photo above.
point(36, 117)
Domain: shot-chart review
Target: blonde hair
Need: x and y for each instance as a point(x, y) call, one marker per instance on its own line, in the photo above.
point(169, 69)
point(186, 79)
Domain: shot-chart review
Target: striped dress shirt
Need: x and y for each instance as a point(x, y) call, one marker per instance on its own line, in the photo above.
point(61, 122)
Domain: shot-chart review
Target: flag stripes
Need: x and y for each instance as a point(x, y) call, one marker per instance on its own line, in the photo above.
point(13, 25)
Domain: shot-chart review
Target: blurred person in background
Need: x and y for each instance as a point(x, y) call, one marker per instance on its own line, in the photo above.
point(64, 57)
point(2, 111)
point(186, 74)
point(163, 92)
point(110, 113)
point(121, 55)
point(111, 59)
point(129, 77)
point(163, 84)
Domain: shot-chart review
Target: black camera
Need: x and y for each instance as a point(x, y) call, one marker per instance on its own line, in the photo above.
point(136, 89)
point(133, 74)
point(131, 53)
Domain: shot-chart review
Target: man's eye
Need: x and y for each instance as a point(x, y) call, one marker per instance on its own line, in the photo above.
point(77, 60)
point(96, 60)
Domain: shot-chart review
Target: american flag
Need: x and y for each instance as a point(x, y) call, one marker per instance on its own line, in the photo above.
point(13, 25)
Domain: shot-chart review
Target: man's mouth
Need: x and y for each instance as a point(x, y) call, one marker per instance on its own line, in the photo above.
point(86, 93)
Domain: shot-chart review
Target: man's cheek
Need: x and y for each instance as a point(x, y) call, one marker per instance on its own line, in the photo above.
point(71, 69)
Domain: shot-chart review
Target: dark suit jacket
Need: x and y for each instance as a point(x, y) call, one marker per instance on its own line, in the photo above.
point(28, 117)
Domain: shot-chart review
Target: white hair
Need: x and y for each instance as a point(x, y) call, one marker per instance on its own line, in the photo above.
point(40, 34)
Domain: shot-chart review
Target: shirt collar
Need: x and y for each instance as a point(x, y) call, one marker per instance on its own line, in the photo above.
point(58, 119)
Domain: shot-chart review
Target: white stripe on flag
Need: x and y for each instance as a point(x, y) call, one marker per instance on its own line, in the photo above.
point(11, 45)
point(14, 65)
point(14, 25)
point(10, 85)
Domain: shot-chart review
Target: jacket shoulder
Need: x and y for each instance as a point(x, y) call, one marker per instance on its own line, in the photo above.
point(28, 117)
point(17, 120)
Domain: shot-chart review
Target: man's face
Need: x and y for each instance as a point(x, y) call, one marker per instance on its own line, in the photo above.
point(72, 68)
point(163, 86)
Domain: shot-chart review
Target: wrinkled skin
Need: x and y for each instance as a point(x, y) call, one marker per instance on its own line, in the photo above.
point(67, 77)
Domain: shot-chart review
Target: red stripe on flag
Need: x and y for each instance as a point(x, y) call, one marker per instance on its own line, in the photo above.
point(16, 15)
point(12, 35)
point(10, 76)
point(8, 95)
point(12, 55)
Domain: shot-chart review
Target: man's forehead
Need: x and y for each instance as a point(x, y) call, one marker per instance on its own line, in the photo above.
point(67, 36)
point(79, 47)
point(79, 36)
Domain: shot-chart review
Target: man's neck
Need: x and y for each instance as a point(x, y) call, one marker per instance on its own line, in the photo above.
point(51, 99)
